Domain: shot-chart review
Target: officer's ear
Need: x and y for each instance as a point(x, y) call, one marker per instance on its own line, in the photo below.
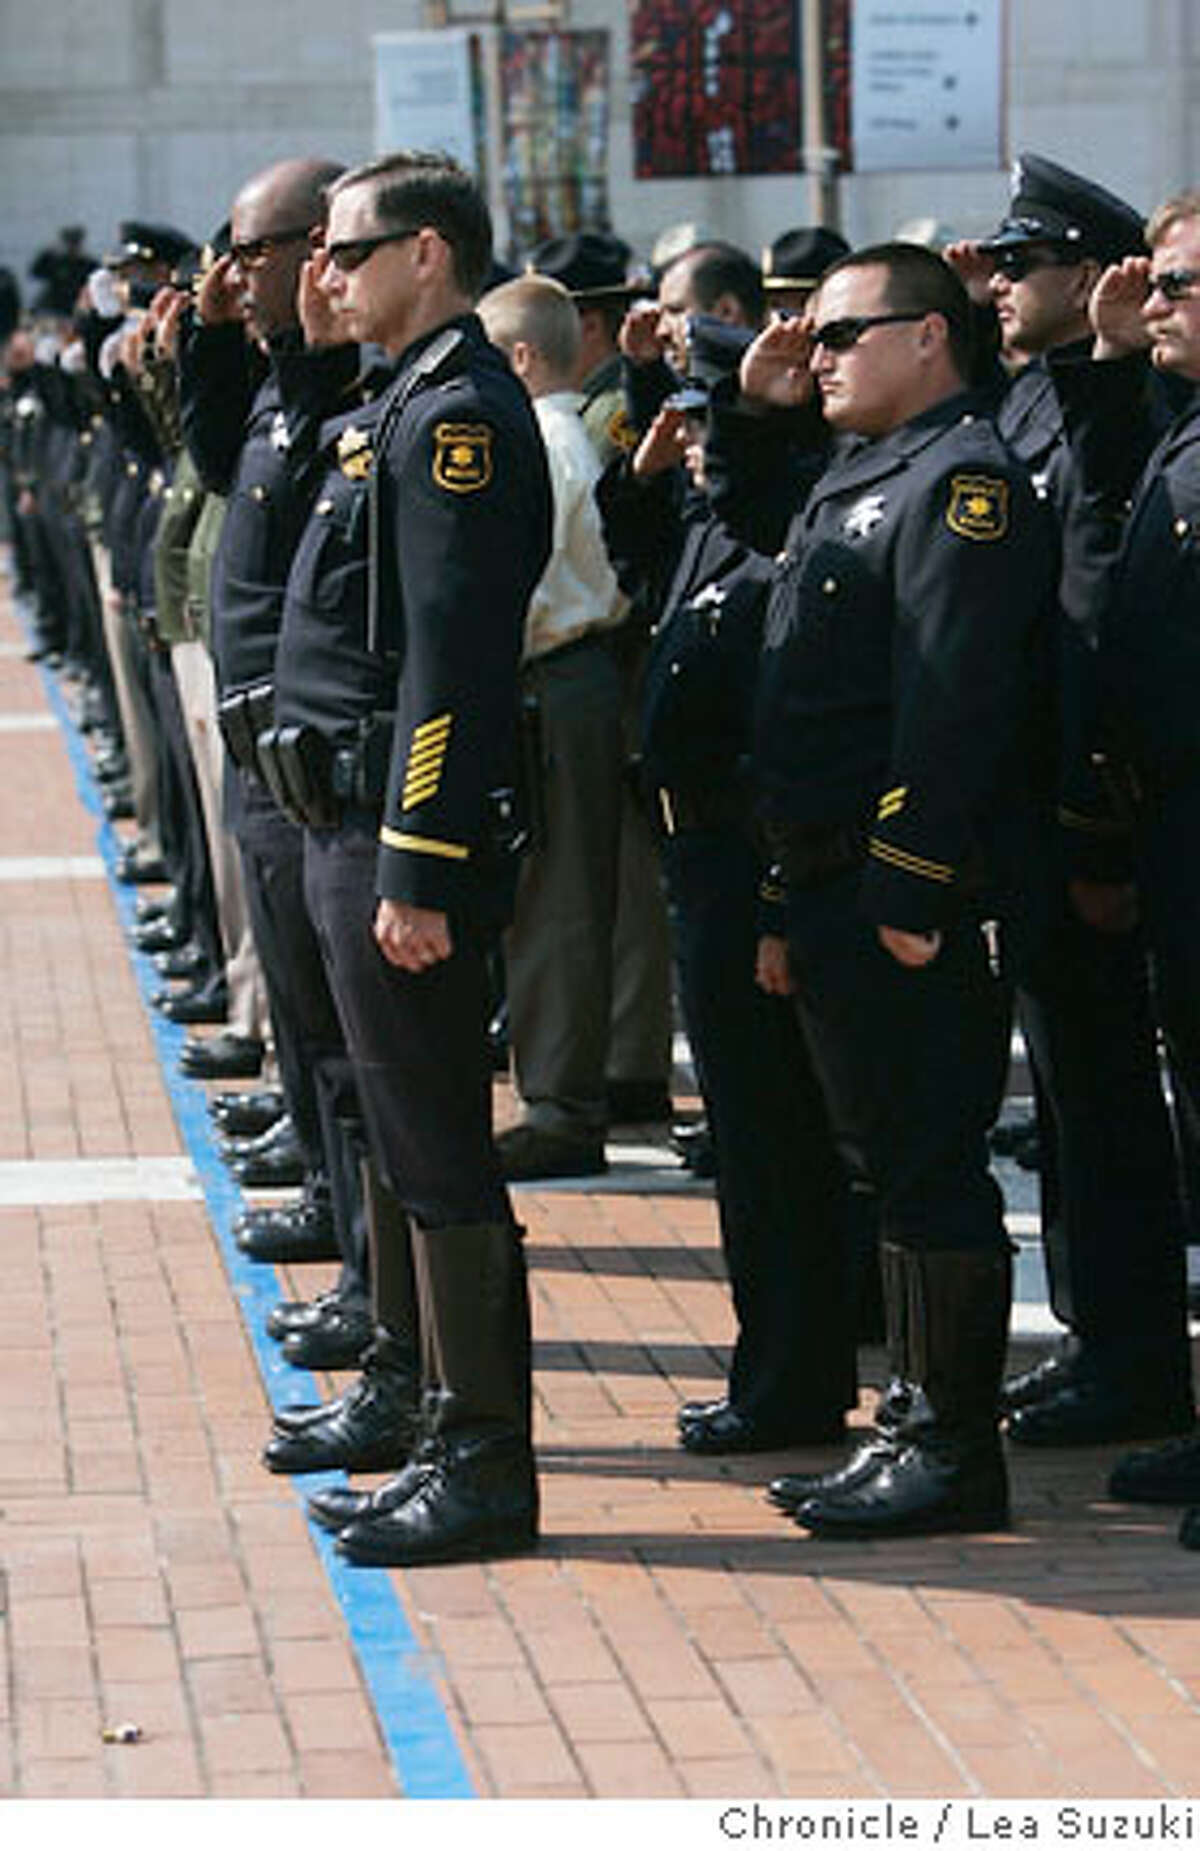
point(933, 332)
point(1087, 275)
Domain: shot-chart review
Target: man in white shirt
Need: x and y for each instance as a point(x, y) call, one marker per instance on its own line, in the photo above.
point(559, 949)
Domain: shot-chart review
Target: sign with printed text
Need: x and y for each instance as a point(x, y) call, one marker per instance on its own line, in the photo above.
point(926, 85)
point(425, 94)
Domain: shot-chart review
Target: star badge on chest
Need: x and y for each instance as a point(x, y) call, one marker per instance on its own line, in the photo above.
point(281, 437)
point(864, 517)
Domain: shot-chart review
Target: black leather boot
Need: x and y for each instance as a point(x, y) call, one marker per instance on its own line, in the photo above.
point(370, 1428)
point(477, 1494)
point(948, 1474)
point(901, 1405)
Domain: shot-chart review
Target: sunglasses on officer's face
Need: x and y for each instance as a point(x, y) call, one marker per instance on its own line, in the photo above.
point(846, 332)
point(352, 253)
point(1017, 261)
point(253, 250)
point(1174, 285)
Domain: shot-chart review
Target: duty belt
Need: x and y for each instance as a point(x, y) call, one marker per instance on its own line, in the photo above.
point(314, 781)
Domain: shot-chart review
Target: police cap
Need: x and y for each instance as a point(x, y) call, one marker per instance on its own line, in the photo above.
point(1049, 204)
point(590, 265)
point(139, 242)
point(798, 259)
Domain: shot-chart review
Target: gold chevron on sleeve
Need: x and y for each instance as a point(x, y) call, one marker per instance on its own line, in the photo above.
point(892, 802)
point(910, 864)
point(426, 757)
point(424, 845)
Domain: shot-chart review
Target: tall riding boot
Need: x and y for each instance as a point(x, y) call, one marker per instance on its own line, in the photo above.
point(900, 1409)
point(477, 1490)
point(948, 1472)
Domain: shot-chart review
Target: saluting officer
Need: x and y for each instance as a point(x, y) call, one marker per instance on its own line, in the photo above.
point(1112, 1225)
point(395, 707)
point(893, 696)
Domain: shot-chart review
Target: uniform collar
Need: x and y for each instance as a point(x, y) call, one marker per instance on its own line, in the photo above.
point(871, 457)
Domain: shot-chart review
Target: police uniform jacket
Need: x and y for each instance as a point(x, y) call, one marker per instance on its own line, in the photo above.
point(464, 525)
point(898, 648)
point(252, 437)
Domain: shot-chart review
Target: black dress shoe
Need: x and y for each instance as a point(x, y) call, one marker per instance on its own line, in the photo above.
point(373, 1428)
point(140, 870)
point(337, 1340)
point(528, 1153)
point(694, 1143)
point(1047, 1378)
point(477, 1499)
point(160, 934)
point(1189, 1528)
point(187, 965)
point(295, 1235)
point(149, 910)
point(202, 1003)
point(1168, 1474)
point(717, 1427)
point(298, 1313)
point(791, 1489)
point(919, 1491)
point(280, 1134)
point(118, 803)
point(279, 1168)
point(338, 1505)
point(222, 1057)
point(246, 1115)
point(1091, 1413)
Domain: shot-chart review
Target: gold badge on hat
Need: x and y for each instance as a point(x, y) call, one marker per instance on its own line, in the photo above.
point(462, 457)
point(355, 454)
point(978, 507)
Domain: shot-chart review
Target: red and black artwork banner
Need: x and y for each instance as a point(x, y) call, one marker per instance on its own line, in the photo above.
point(716, 87)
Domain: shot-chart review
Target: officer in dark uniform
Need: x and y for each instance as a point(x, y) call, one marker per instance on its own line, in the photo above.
point(252, 399)
point(1112, 1223)
point(1150, 666)
point(395, 712)
point(794, 263)
point(889, 752)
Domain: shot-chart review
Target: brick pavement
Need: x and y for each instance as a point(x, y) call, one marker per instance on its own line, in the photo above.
point(671, 1637)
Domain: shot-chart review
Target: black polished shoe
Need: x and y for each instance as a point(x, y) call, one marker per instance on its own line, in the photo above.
point(717, 1427)
point(150, 909)
point(186, 965)
point(791, 1489)
point(477, 1499)
point(339, 1505)
point(1047, 1378)
point(1189, 1528)
point(528, 1153)
point(294, 1235)
point(298, 1313)
point(279, 1134)
point(282, 1167)
point(337, 1339)
point(694, 1144)
point(372, 1428)
point(140, 870)
point(1168, 1474)
point(247, 1115)
point(203, 1003)
point(222, 1057)
point(117, 803)
point(159, 934)
point(923, 1490)
point(1091, 1413)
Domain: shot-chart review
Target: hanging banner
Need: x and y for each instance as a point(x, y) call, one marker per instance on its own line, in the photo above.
point(926, 85)
point(427, 95)
point(716, 87)
point(554, 133)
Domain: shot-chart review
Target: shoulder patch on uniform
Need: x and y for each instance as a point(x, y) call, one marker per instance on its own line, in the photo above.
point(462, 457)
point(355, 454)
point(621, 430)
point(978, 507)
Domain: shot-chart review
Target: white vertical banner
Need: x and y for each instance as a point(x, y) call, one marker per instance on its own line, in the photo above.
point(926, 84)
point(423, 95)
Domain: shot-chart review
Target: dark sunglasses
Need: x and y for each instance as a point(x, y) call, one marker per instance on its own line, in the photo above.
point(1017, 261)
point(253, 250)
point(1174, 285)
point(839, 336)
point(352, 253)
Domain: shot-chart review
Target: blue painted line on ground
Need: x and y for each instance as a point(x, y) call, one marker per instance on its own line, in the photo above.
point(398, 1673)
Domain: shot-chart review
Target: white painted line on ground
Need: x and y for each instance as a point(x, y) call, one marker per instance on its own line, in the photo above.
point(51, 867)
point(28, 723)
point(59, 1182)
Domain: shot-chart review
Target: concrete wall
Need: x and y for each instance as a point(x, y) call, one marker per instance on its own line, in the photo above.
point(159, 108)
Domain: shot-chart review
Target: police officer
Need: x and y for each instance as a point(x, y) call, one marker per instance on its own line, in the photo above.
point(1149, 664)
point(395, 709)
point(892, 701)
point(1112, 1225)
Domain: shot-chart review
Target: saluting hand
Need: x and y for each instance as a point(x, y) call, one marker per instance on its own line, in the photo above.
point(319, 314)
point(411, 937)
point(973, 268)
point(1115, 309)
point(662, 446)
point(775, 368)
point(638, 338)
point(218, 297)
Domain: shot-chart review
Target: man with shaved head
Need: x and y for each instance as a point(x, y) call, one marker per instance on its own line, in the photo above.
point(253, 392)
